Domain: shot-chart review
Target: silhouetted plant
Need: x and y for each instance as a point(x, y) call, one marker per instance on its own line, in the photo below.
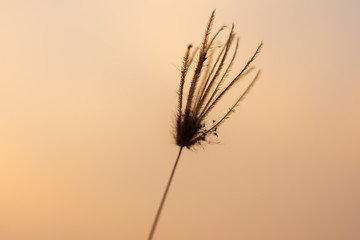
point(205, 91)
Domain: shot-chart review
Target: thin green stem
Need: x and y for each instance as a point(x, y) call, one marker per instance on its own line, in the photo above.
point(164, 197)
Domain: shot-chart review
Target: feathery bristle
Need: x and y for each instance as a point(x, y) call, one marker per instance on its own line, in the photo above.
point(206, 87)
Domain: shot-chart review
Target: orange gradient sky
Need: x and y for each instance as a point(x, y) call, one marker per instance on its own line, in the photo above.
point(87, 101)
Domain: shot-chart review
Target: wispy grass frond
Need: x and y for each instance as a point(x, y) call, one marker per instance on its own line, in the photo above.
point(224, 75)
point(231, 84)
point(205, 77)
point(207, 87)
point(227, 115)
point(207, 81)
point(199, 67)
point(205, 91)
point(191, 59)
point(217, 73)
point(184, 71)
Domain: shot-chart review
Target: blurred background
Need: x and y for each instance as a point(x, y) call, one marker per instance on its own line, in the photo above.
point(87, 104)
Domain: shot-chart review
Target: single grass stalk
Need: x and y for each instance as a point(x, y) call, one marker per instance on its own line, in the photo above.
point(205, 91)
point(164, 197)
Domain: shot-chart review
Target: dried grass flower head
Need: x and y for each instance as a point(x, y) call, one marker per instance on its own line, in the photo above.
point(207, 86)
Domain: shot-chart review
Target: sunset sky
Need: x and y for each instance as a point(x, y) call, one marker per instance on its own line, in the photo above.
point(88, 95)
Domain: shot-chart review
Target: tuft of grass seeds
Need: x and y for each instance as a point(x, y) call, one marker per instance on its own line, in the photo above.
point(207, 87)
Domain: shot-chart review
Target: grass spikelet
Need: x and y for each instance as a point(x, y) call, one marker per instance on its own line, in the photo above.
point(199, 67)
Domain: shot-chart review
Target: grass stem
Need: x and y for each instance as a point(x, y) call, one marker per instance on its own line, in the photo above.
point(164, 197)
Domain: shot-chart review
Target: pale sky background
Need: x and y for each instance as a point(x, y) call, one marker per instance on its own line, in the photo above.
point(87, 101)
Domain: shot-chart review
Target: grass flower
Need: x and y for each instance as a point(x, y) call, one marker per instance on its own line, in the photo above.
point(207, 87)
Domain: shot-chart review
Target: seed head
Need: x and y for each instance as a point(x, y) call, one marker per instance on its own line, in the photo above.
point(207, 87)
